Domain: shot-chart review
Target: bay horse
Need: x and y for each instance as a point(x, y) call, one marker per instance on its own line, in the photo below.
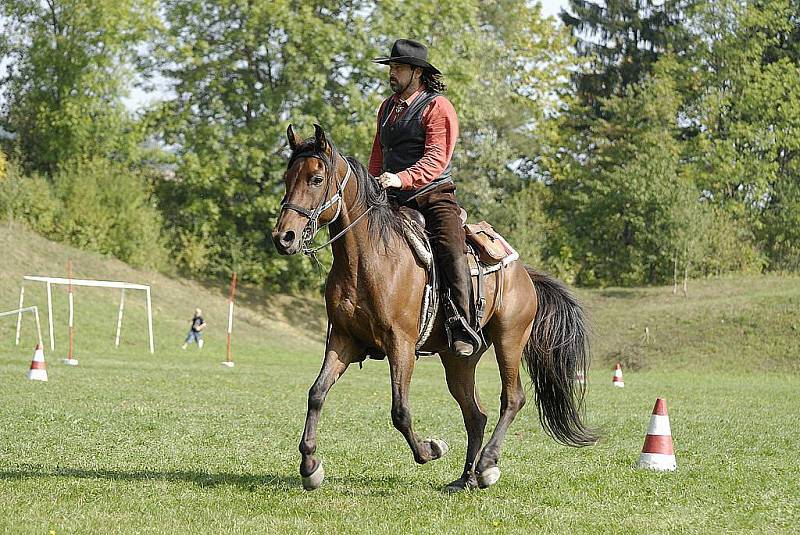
point(373, 297)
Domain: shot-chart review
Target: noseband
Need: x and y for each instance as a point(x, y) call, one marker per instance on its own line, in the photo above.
point(312, 227)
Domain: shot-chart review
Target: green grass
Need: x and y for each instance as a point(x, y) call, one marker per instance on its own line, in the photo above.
point(130, 442)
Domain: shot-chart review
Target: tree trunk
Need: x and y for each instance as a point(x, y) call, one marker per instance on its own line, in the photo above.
point(675, 276)
point(686, 279)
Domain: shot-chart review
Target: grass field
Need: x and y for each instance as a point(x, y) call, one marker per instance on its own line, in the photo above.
point(129, 442)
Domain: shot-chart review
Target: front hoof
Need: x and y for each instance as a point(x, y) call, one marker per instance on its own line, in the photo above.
point(314, 479)
point(439, 448)
point(466, 482)
point(489, 477)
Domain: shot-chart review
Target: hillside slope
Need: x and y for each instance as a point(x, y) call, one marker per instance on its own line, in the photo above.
point(262, 322)
point(735, 324)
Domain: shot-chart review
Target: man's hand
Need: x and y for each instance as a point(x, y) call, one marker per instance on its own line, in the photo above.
point(389, 180)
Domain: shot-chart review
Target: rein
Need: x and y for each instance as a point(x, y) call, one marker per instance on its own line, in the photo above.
point(311, 252)
point(312, 227)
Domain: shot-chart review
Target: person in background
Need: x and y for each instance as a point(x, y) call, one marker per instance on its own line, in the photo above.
point(196, 330)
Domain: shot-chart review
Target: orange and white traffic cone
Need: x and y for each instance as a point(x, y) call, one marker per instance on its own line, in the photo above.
point(618, 382)
point(38, 370)
point(657, 452)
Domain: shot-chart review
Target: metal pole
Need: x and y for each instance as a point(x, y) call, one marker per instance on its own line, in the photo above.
point(150, 321)
point(71, 329)
point(50, 317)
point(19, 315)
point(230, 315)
point(19, 311)
point(119, 317)
point(38, 326)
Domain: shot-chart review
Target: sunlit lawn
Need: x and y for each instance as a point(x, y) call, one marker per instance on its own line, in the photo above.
point(139, 444)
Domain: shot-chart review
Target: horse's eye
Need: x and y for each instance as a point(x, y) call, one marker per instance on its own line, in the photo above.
point(316, 180)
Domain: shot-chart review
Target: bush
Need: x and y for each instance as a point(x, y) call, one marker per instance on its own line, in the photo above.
point(106, 207)
point(29, 199)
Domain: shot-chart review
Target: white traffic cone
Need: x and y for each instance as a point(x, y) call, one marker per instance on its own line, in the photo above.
point(38, 369)
point(657, 452)
point(618, 382)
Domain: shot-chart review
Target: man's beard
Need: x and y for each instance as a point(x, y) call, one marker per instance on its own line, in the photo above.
point(395, 85)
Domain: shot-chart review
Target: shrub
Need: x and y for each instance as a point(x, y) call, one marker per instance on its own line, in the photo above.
point(29, 199)
point(106, 207)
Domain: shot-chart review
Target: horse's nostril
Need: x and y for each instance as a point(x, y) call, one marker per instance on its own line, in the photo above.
point(287, 237)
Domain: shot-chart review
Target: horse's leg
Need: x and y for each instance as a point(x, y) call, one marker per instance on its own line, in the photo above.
point(508, 344)
point(460, 373)
point(401, 366)
point(339, 353)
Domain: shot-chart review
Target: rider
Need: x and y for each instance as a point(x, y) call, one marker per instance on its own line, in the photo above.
point(417, 131)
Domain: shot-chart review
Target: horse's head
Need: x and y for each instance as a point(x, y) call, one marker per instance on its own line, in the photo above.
point(313, 191)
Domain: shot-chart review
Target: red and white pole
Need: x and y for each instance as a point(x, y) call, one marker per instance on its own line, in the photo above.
point(228, 361)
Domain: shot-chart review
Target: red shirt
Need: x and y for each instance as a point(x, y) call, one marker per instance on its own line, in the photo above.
point(441, 132)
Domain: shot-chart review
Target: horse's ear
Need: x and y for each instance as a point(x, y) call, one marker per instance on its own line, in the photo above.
point(294, 140)
point(320, 139)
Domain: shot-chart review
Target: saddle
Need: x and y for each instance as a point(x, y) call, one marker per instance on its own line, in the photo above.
point(488, 252)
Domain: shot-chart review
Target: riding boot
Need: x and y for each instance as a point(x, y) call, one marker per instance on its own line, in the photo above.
point(460, 286)
point(443, 223)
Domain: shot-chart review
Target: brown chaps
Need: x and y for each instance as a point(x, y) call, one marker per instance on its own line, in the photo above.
point(443, 223)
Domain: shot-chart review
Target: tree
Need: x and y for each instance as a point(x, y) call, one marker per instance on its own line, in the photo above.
point(80, 150)
point(243, 70)
point(68, 62)
point(622, 205)
point(623, 39)
point(748, 118)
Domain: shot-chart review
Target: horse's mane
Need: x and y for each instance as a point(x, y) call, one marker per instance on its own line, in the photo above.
point(384, 218)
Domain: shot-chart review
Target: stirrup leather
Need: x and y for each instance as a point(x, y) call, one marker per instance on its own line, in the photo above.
point(455, 320)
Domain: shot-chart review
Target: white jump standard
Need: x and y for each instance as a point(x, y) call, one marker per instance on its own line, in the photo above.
point(49, 281)
point(18, 312)
point(228, 360)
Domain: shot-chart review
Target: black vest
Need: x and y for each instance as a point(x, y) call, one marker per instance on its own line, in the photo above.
point(403, 143)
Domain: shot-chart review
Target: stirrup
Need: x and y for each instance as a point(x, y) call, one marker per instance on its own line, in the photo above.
point(463, 349)
point(454, 320)
point(458, 323)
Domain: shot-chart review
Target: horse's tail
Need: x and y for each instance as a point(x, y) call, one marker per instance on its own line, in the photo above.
point(558, 347)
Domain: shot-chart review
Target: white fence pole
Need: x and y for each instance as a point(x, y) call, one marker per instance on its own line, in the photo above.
point(19, 314)
point(150, 320)
point(119, 316)
point(38, 326)
point(50, 317)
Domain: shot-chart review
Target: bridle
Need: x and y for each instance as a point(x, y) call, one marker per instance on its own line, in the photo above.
point(312, 227)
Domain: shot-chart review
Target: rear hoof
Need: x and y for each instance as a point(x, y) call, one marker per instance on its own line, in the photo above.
point(489, 477)
point(466, 482)
point(314, 480)
point(439, 448)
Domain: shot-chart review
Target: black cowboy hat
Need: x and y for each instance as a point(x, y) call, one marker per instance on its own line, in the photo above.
point(409, 52)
